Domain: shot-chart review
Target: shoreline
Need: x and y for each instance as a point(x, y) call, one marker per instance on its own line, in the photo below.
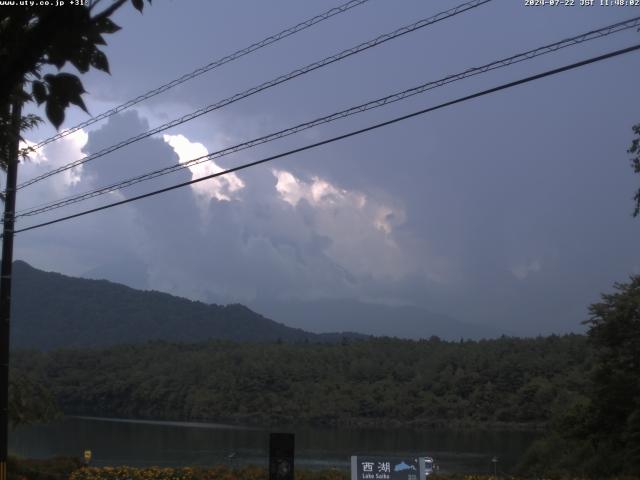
point(247, 423)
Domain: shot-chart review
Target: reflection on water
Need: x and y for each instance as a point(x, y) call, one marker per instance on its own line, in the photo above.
point(143, 443)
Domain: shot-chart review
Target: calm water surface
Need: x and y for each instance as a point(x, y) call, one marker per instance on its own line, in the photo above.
point(144, 443)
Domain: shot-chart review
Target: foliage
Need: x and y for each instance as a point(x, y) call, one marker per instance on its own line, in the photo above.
point(59, 468)
point(68, 468)
point(42, 37)
point(29, 401)
point(213, 473)
point(635, 163)
point(614, 416)
point(504, 382)
point(247, 473)
point(220, 473)
point(600, 435)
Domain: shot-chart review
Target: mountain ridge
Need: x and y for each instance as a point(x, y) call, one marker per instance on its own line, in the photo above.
point(51, 310)
point(326, 314)
point(401, 321)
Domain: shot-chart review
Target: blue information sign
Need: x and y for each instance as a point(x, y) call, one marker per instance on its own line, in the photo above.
point(387, 468)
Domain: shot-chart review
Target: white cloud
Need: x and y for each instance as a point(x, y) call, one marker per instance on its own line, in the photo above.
point(289, 237)
point(522, 271)
point(360, 228)
point(57, 154)
point(221, 188)
point(318, 192)
point(288, 187)
point(42, 160)
point(36, 156)
point(387, 218)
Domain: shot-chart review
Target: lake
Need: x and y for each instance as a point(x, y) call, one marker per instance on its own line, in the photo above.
point(145, 443)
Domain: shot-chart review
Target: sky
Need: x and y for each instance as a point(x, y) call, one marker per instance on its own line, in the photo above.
point(512, 210)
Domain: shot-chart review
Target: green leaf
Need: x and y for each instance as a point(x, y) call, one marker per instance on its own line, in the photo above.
point(39, 92)
point(64, 88)
point(23, 96)
point(65, 85)
point(79, 102)
point(105, 25)
point(96, 38)
point(138, 5)
point(56, 58)
point(81, 59)
point(67, 47)
point(55, 112)
point(29, 121)
point(99, 61)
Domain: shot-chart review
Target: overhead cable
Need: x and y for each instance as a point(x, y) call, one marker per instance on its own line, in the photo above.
point(342, 137)
point(206, 68)
point(271, 83)
point(520, 57)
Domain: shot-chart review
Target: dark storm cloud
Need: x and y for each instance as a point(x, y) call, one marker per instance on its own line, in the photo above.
point(511, 210)
point(288, 243)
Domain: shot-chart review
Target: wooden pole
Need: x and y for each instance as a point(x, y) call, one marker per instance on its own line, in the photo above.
point(5, 279)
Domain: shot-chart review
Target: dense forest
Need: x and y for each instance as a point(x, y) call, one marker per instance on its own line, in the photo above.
point(599, 435)
point(503, 382)
point(584, 389)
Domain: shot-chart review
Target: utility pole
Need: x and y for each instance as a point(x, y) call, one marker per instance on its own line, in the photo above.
point(11, 152)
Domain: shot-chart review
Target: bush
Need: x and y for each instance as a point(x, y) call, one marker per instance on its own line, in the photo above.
point(59, 468)
point(188, 473)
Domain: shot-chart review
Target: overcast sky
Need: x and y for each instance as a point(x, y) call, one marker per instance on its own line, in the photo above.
point(511, 210)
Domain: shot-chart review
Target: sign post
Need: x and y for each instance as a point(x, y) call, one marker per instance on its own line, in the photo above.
point(387, 468)
point(281, 453)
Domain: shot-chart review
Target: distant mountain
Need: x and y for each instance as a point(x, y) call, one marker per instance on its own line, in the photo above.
point(126, 270)
point(50, 310)
point(329, 315)
point(371, 318)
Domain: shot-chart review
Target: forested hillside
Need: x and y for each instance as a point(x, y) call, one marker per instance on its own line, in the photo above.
point(599, 435)
point(51, 311)
point(510, 382)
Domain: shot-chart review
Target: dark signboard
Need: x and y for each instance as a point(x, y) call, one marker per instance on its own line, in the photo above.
point(387, 468)
point(281, 452)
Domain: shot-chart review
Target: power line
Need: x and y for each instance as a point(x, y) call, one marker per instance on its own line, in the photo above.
point(271, 83)
point(530, 54)
point(283, 78)
point(344, 136)
point(206, 68)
